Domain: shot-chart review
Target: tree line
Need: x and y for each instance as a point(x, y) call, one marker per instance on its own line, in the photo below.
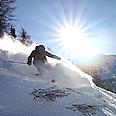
point(7, 18)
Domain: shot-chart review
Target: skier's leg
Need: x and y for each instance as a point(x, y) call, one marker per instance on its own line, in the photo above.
point(39, 65)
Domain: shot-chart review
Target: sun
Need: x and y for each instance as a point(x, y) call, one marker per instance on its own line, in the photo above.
point(71, 37)
point(75, 41)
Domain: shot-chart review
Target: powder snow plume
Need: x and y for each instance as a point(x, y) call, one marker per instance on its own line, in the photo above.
point(14, 47)
point(64, 72)
point(67, 74)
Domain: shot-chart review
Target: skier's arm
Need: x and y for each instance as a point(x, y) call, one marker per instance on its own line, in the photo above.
point(52, 55)
point(30, 58)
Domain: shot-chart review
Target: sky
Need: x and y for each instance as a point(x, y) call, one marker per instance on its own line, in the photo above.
point(45, 20)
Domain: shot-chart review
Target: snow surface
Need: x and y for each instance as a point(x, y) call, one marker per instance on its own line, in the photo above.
point(78, 95)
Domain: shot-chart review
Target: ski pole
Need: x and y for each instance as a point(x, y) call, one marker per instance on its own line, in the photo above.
point(17, 62)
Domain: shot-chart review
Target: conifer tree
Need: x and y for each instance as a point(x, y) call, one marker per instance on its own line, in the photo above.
point(6, 15)
point(25, 38)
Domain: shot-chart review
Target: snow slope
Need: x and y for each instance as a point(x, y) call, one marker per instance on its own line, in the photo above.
point(73, 94)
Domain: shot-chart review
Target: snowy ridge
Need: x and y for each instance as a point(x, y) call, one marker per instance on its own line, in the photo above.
point(73, 94)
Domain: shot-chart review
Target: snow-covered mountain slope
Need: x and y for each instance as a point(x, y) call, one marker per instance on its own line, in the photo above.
point(72, 94)
point(101, 66)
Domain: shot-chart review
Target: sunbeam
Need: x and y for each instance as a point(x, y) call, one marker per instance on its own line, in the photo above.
point(74, 31)
point(70, 35)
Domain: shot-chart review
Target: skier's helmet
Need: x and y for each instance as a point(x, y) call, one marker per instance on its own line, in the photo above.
point(40, 48)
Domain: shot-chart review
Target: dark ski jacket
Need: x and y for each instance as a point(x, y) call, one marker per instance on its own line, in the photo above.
point(40, 56)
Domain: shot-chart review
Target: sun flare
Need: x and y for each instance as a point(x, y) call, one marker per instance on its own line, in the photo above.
point(75, 41)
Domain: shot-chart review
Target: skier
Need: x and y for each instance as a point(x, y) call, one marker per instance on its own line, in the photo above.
point(40, 60)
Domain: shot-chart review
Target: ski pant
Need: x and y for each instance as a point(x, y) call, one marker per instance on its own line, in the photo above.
point(41, 66)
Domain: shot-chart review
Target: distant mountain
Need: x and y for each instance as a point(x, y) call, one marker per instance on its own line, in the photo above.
point(103, 69)
point(101, 66)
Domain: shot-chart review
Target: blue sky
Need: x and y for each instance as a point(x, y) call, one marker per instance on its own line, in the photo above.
point(42, 18)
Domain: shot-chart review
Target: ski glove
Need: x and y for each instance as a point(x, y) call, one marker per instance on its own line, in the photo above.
point(29, 63)
point(58, 58)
